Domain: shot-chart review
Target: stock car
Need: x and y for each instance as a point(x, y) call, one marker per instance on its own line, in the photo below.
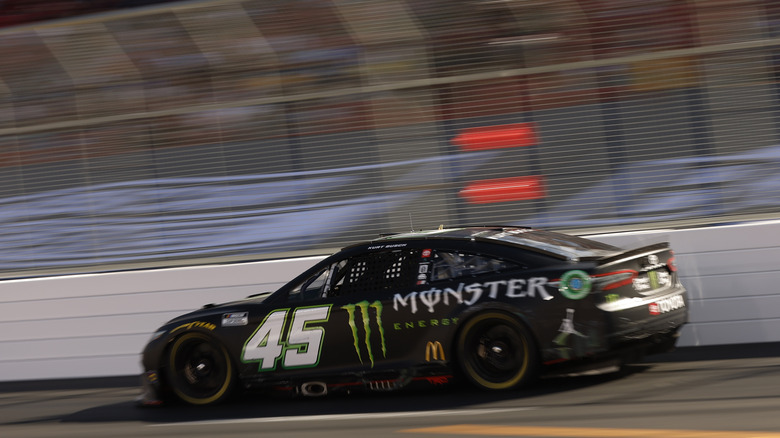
point(492, 306)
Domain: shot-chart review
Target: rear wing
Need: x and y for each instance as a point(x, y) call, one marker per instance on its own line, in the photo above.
point(643, 251)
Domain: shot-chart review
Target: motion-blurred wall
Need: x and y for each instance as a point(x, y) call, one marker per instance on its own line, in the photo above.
point(236, 130)
point(96, 325)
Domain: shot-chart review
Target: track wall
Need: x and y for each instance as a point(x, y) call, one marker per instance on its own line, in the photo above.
point(96, 325)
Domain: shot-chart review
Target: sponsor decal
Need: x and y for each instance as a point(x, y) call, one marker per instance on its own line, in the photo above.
point(565, 331)
point(611, 298)
point(653, 262)
point(667, 305)
point(653, 280)
point(575, 285)
point(426, 253)
point(237, 319)
point(364, 308)
point(423, 271)
point(425, 323)
point(652, 259)
point(195, 324)
point(152, 377)
point(471, 293)
point(434, 350)
point(641, 284)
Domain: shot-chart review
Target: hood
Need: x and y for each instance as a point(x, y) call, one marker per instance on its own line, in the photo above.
point(219, 309)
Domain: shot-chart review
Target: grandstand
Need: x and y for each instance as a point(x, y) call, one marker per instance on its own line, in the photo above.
point(220, 130)
point(20, 12)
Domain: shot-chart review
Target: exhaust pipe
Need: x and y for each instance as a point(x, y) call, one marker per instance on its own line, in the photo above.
point(314, 389)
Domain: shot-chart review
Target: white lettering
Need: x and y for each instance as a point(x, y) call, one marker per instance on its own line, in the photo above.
point(411, 298)
point(475, 290)
point(458, 294)
point(493, 285)
point(430, 298)
point(513, 285)
point(514, 288)
point(536, 284)
point(669, 304)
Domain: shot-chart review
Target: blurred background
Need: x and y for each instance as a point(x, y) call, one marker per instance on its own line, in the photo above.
point(151, 133)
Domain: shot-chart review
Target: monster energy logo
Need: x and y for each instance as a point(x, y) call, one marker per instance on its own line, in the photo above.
point(364, 307)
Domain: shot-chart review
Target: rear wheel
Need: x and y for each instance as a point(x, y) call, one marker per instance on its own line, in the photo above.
point(496, 352)
point(199, 369)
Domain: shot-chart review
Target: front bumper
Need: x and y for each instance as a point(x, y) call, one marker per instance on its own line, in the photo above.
point(151, 390)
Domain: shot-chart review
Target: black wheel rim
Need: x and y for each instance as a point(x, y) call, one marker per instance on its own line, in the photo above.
point(496, 352)
point(200, 368)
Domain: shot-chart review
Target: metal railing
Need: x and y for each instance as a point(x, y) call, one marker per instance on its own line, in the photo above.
point(224, 130)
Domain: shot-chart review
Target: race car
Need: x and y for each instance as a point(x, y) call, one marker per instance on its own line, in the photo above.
point(492, 306)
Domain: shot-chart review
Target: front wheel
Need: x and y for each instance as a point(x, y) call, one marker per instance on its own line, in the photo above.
point(496, 352)
point(199, 370)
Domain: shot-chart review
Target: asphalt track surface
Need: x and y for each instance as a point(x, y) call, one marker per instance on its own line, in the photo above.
point(700, 392)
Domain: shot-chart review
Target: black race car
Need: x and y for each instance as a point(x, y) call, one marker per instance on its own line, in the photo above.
point(494, 306)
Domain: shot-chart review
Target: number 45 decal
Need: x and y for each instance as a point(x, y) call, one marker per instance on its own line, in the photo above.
point(302, 347)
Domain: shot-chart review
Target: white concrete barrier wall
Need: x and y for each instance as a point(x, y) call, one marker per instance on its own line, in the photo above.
point(96, 325)
point(732, 274)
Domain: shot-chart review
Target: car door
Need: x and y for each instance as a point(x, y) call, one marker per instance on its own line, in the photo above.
point(448, 282)
point(333, 321)
point(362, 290)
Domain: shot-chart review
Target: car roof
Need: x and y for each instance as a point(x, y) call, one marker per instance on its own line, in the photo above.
point(559, 245)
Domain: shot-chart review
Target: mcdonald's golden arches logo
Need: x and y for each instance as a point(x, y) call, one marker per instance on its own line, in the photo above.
point(434, 349)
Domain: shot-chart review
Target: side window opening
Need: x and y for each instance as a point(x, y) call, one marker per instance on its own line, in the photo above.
point(396, 269)
point(374, 272)
point(392, 270)
point(358, 272)
point(448, 265)
point(311, 288)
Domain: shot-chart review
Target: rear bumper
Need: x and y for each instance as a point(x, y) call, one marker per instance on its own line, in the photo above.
point(647, 320)
point(634, 331)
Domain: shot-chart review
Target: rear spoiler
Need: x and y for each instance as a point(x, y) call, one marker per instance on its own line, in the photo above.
point(634, 253)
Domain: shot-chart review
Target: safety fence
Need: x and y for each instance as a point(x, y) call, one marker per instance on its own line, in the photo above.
point(236, 130)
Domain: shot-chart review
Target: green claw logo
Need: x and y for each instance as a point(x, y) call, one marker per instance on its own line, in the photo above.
point(364, 307)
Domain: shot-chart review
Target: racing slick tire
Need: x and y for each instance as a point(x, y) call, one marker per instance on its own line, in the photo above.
point(497, 352)
point(199, 370)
